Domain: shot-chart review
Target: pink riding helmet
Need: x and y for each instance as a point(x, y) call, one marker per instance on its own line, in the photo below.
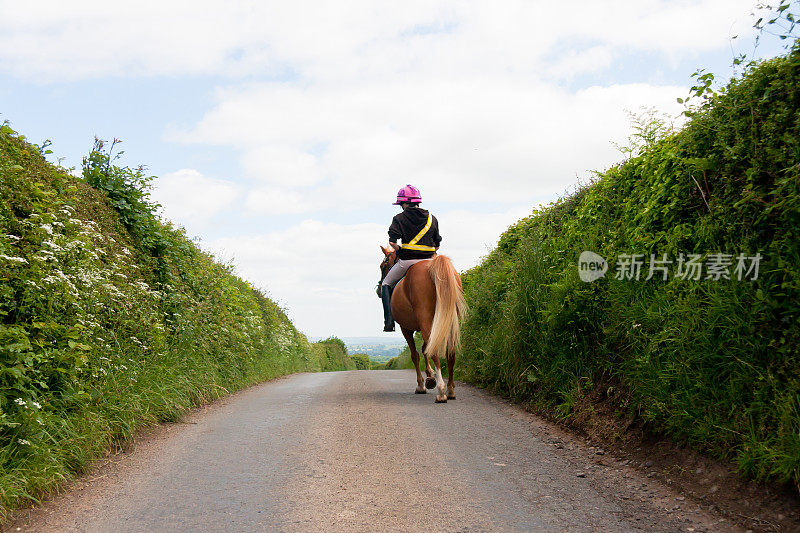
point(409, 194)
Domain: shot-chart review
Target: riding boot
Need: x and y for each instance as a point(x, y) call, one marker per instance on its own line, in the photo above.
point(386, 298)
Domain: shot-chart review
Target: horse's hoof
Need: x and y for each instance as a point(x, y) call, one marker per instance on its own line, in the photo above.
point(420, 391)
point(441, 401)
point(451, 396)
point(430, 383)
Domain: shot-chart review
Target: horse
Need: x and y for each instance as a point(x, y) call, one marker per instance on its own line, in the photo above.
point(429, 299)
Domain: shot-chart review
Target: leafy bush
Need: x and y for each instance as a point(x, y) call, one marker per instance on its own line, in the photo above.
point(361, 361)
point(711, 363)
point(332, 355)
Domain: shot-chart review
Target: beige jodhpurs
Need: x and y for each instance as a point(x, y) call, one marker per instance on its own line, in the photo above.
point(397, 272)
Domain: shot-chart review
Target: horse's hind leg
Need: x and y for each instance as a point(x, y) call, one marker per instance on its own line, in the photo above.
point(430, 381)
point(412, 347)
point(441, 397)
point(451, 386)
point(438, 381)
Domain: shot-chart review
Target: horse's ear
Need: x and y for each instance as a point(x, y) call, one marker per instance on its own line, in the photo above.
point(385, 251)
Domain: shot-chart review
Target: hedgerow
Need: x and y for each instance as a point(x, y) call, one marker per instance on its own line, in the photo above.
point(713, 363)
point(361, 360)
point(331, 355)
point(110, 319)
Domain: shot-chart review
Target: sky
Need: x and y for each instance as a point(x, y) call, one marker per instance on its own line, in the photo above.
point(280, 132)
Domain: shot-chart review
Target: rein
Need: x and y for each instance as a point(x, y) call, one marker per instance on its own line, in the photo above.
point(386, 265)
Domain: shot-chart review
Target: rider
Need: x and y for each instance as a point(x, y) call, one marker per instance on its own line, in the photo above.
point(419, 231)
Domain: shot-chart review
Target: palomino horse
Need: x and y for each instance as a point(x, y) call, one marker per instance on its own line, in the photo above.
point(429, 300)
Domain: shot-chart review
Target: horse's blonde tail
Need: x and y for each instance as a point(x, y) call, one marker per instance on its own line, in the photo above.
point(450, 308)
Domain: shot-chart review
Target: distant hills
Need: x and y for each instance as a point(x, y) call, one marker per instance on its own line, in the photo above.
point(379, 349)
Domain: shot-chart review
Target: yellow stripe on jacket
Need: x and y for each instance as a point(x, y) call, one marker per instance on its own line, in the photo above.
point(412, 244)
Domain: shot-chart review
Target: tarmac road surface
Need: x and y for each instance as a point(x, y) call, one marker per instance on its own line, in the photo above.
point(358, 451)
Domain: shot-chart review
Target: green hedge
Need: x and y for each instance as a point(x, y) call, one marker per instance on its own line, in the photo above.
point(711, 363)
point(110, 320)
point(331, 355)
point(361, 360)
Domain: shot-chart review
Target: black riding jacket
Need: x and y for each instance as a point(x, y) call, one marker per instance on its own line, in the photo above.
point(408, 226)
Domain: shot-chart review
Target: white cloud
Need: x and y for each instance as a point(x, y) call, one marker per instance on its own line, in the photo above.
point(276, 201)
point(327, 41)
point(311, 250)
point(323, 272)
point(488, 140)
point(575, 62)
point(467, 236)
point(191, 199)
point(281, 164)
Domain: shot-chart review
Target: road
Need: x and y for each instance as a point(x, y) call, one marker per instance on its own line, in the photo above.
point(358, 451)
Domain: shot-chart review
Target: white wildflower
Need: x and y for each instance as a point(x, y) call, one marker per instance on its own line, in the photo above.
point(19, 401)
point(24, 442)
point(45, 255)
point(48, 228)
point(35, 404)
point(13, 237)
point(14, 259)
point(53, 246)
